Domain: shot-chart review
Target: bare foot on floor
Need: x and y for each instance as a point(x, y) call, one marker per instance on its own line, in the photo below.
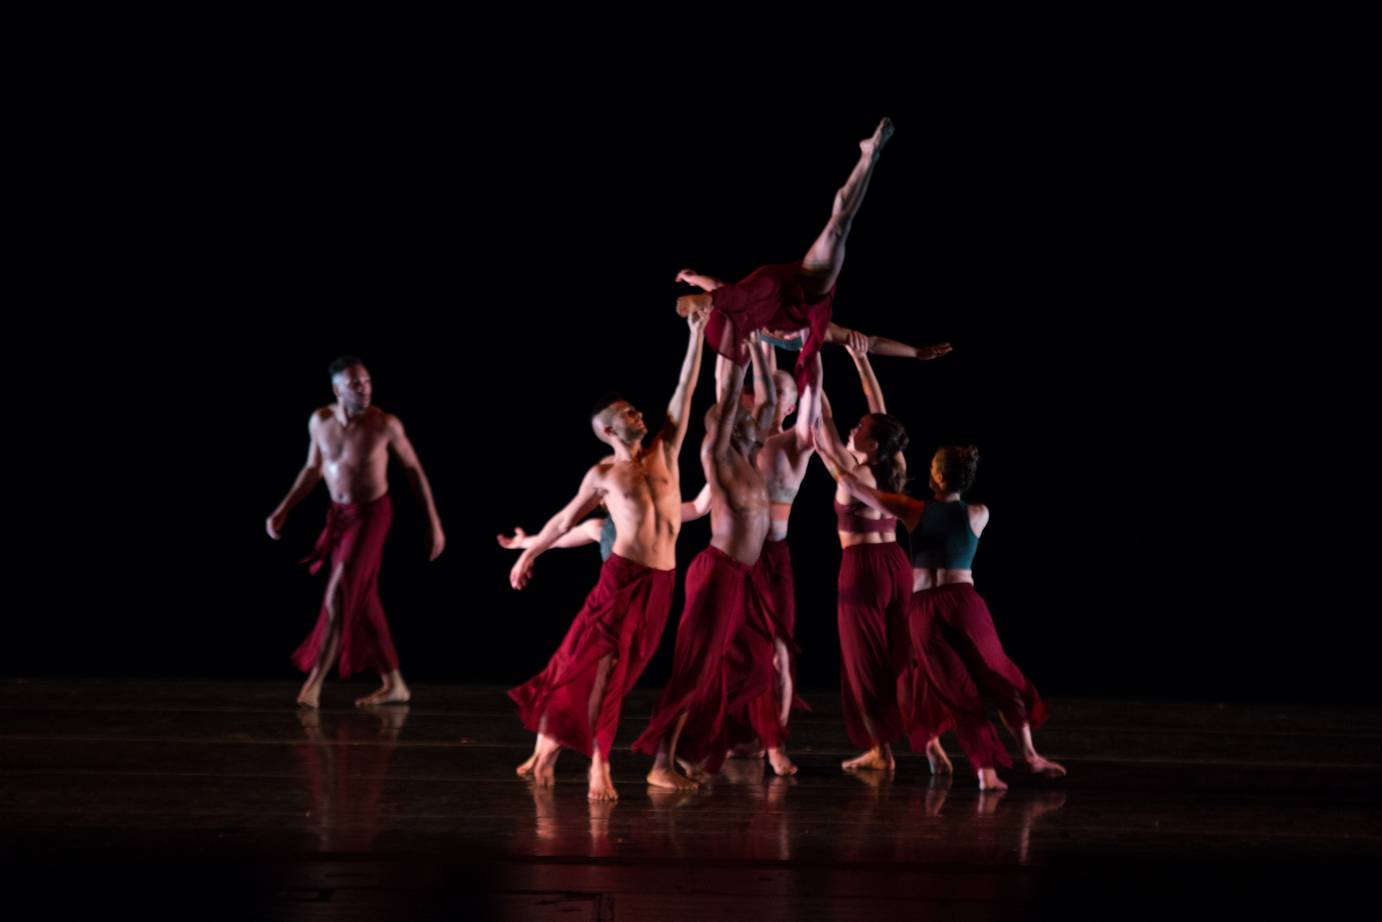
point(1043, 766)
point(670, 780)
point(873, 760)
point(387, 694)
point(989, 780)
point(782, 765)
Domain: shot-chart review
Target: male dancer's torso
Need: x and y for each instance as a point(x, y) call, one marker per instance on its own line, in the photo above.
point(643, 496)
point(355, 452)
point(739, 510)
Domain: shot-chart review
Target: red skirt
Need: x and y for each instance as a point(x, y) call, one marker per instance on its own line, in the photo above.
point(354, 539)
point(703, 681)
point(876, 658)
point(622, 617)
point(772, 618)
point(963, 662)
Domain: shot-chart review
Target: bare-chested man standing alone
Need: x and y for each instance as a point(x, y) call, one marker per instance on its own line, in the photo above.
point(349, 446)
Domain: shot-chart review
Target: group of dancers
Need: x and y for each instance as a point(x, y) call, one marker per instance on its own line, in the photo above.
point(919, 651)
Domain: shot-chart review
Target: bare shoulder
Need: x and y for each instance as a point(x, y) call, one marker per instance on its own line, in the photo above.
point(599, 473)
point(385, 424)
point(319, 422)
point(978, 517)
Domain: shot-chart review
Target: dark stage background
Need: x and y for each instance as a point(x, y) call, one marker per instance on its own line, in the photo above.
point(1106, 263)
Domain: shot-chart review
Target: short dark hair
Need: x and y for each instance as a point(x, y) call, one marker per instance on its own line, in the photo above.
point(342, 363)
point(604, 403)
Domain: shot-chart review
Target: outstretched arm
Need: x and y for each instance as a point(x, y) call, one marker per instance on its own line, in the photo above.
point(701, 281)
point(586, 499)
point(588, 532)
point(881, 345)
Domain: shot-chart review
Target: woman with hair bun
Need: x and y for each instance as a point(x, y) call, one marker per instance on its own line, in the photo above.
point(878, 670)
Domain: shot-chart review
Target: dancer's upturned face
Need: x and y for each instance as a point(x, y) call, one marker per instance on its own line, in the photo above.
point(627, 423)
point(353, 388)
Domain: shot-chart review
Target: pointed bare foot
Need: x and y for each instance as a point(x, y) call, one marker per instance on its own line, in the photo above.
point(938, 760)
point(989, 780)
point(1042, 766)
point(873, 760)
point(372, 697)
point(782, 765)
point(670, 780)
point(397, 693)
point(526, 769)
point(309, 697)
point(873, 146)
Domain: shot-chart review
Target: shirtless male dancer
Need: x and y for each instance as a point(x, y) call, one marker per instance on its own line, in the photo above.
point(574, 703)
point(349, 446)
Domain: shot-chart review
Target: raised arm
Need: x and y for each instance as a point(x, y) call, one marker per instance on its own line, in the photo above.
point(809, 405)
point(679, 408)
point(764, 387)
point(905, 508)
point(719, 420)
point(828, 443)
point(858, 347)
